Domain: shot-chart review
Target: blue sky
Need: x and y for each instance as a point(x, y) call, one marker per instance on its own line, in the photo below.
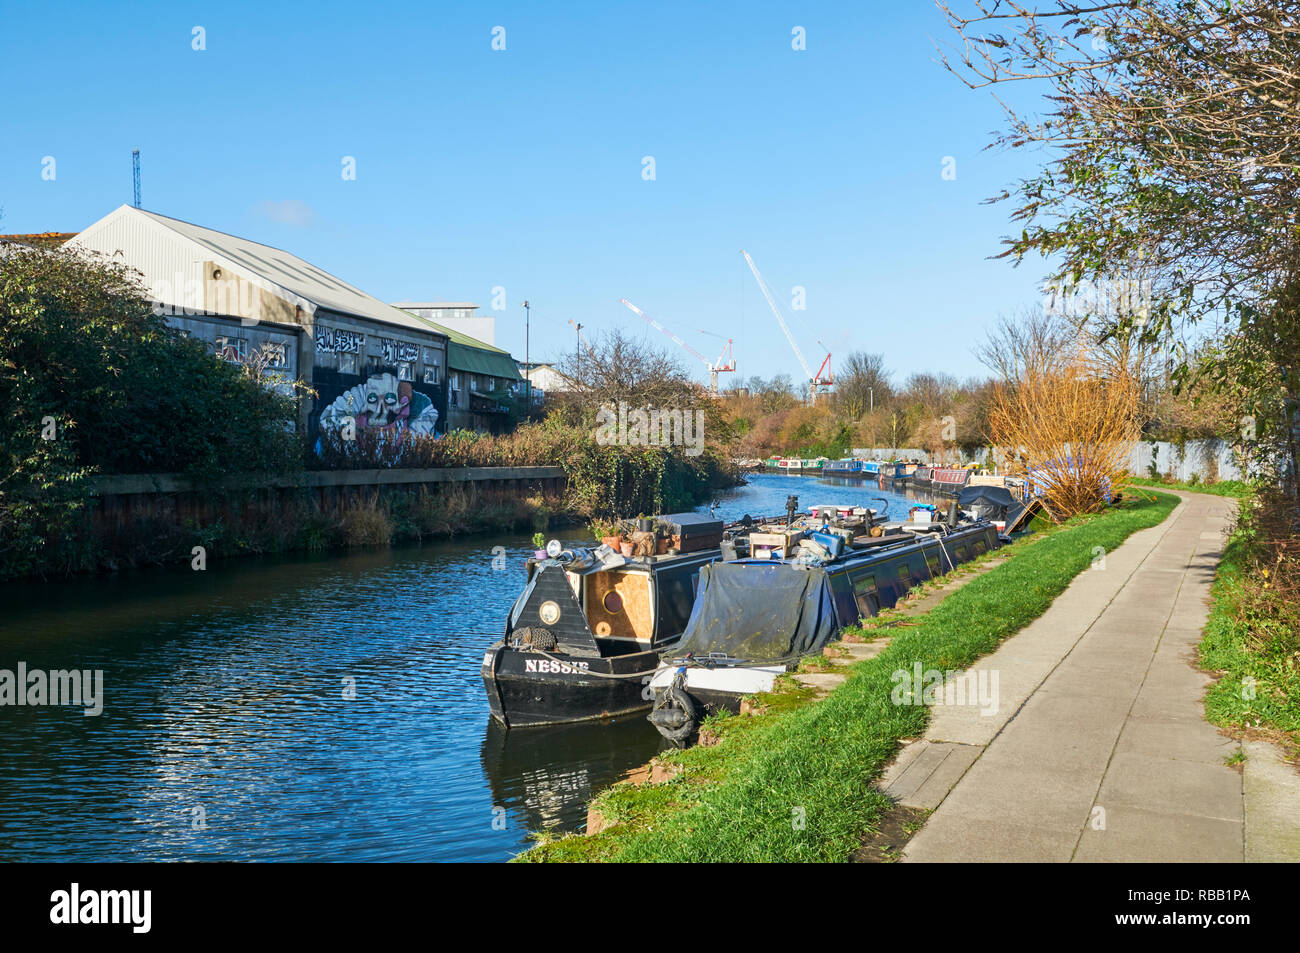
point(522, 168)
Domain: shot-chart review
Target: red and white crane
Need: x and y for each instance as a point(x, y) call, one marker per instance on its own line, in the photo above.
point(725, 363)
point(824, 377)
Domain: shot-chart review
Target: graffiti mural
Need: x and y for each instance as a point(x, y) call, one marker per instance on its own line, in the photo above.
point(338, 341)
point(398, 352)
point(382, 403)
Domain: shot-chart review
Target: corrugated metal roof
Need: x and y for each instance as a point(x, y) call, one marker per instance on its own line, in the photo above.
point(434, 304)
point(281, 268)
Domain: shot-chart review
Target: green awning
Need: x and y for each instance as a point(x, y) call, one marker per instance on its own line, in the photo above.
point(478, 360)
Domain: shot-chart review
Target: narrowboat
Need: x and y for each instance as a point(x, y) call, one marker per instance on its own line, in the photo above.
point(949, 479)
point(921, 476)
point(852, 467)
point(758, 615)
point(848, 466)
point(586, 633)
point(999, 506)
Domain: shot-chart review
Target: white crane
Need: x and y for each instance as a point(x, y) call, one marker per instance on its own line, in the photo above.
point(721, 366)
point(814, 380)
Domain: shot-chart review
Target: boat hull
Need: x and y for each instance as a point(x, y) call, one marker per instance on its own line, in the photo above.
point(529, 689)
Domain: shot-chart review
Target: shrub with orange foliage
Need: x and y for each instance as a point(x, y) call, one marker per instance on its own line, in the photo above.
point(1070, 425)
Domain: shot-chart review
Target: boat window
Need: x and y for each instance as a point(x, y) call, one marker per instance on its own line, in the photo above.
point(905, 574)
point(981, 547)
point(676, 599)
point(961, 552)
point(932, 560)
point(618, 605)
point(864, 592)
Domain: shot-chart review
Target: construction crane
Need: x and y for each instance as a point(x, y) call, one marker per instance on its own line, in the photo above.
point(725, 364)
point(823, 377)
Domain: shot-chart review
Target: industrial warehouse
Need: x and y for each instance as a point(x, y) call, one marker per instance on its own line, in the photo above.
point(370, 362)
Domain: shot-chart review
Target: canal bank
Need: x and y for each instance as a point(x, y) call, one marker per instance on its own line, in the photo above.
point(797, 782)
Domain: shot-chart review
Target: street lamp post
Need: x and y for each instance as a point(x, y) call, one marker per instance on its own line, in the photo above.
point(528, 374)
point(578, 347)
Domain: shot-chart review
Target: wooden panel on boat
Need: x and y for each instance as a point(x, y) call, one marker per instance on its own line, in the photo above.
point(618, 605)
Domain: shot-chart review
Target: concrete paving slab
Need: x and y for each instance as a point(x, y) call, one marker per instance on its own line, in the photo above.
point(1136, 836)
point(1192, 788)
point(1272, 791)
point(928, 776)
point(994, 842)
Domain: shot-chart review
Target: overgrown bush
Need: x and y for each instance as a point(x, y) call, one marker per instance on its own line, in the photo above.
point(95, 382)
point(603, 479)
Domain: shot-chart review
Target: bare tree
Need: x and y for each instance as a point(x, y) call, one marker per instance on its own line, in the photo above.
point(861, 383)
point(1024, 341)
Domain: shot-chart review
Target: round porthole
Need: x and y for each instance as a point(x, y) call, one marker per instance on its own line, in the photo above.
point(612, 602)
point(549, 612)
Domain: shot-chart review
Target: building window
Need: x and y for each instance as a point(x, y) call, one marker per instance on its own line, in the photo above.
point(234, 350)
point(405, 371)
point(277, 353)
point(455, 381)
point(432, 365)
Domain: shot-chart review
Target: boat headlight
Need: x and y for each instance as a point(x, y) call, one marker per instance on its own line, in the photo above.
point(549, 612)
point(553, 548)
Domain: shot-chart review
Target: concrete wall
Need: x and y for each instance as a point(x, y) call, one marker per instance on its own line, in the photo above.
point(134, 499)
point(1207, 460)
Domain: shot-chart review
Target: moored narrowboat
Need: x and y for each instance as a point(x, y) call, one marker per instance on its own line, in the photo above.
point(584, 636)
point(756, 617)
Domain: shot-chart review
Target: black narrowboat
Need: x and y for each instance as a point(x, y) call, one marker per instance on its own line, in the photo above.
point(921, 477)
point(585, 635)
point(756, 617)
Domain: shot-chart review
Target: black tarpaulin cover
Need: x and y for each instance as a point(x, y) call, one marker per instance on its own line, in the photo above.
point(760, 610)
point(988, 495)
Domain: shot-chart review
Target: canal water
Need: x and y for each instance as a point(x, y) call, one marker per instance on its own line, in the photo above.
point(324, 708)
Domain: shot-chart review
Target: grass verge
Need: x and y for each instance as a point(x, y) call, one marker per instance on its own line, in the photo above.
point(1252, 639)
point(795, 783)
point(1236, 489)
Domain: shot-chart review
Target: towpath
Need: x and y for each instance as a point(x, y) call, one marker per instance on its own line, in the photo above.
point(1099, 749)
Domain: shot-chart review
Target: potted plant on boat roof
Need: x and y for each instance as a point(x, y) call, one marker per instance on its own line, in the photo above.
point(607, 533)
point(539, 542)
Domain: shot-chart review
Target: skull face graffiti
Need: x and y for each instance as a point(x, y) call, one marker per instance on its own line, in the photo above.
point(383, 405)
